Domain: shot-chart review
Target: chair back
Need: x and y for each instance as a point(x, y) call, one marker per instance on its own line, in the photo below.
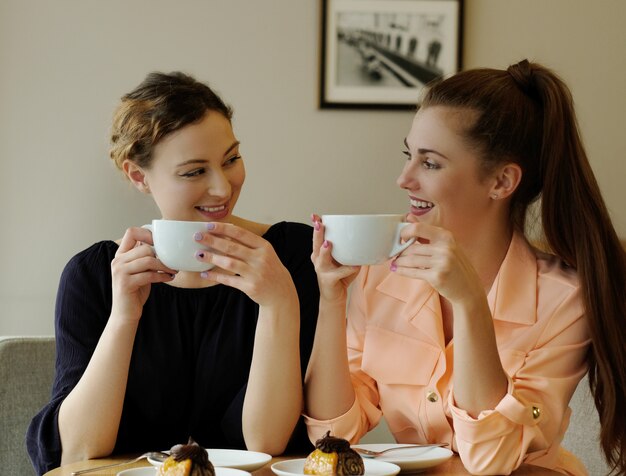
point(583, 434)
point(26, 373)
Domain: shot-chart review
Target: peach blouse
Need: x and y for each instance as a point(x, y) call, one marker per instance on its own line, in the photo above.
point(402, 368)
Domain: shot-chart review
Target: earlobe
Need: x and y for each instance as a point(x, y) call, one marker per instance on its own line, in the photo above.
point(136, 175)
point(507, 181)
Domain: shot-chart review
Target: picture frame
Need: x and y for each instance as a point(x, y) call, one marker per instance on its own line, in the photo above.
point(379, 54)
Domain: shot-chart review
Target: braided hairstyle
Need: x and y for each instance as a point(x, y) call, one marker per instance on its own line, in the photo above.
point(161, 104)
point(525, 115)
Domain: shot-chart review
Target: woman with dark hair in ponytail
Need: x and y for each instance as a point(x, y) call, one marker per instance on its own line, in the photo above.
point(472, 336)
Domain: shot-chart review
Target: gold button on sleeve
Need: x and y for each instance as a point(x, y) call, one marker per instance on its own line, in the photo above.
point(431, 396)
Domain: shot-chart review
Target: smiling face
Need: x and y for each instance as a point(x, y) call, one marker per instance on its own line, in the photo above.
point(442, 175)
point(196, 173)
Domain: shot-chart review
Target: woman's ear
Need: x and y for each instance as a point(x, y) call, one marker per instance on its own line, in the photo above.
point(506, 181)
point(136, 175)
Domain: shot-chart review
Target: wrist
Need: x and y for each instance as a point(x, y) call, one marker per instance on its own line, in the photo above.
point(333, 303)
point(123, 322)
point(471, 306)
point(288, 304)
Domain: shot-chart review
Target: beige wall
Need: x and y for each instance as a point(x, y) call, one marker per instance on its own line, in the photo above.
point(64, 64)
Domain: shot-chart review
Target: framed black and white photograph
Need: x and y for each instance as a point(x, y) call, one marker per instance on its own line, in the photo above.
point(378, 54)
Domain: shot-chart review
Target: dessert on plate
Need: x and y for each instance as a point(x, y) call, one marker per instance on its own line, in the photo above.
point(333, 457)
point(187, 460)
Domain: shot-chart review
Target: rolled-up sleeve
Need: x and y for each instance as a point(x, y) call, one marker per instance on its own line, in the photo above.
point(529, 421)
point(365, 412)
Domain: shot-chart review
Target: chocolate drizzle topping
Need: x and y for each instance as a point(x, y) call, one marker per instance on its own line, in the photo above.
point(349, 462)
point(198, 456)
point(332, 444)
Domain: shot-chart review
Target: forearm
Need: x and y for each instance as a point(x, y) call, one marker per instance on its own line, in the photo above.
point(328, 388)
point(479, 379)
point(273, 401)
point(89, 416)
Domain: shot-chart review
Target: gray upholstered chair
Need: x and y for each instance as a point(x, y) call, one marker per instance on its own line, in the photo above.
point(26, 373)
point(582, 436)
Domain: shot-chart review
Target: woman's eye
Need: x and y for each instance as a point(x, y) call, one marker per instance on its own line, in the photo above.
point(232, 160)
point(428, 164)
point(407, 153)
point(193, 173)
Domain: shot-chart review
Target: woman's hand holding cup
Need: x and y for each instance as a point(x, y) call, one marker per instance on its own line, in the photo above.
point(333, 278)
point(133, 270)
point(439, 260)
point(247, 262)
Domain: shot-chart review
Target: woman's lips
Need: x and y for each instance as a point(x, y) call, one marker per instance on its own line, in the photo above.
point(214, 213)
point(420, 207)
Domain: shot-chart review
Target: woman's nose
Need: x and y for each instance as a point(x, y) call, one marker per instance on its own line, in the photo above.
point(408, 177)
point(218, 185)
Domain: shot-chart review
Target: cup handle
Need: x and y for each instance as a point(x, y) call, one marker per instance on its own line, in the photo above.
point(149, 227)
point(398, 246)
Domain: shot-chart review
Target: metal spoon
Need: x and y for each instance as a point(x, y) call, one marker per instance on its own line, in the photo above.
point(155, 455)
point(374, 454)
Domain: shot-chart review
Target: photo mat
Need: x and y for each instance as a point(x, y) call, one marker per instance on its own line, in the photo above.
point(381, 53)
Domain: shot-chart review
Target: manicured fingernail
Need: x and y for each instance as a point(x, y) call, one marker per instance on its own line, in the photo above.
point(210, 226)
point(325, 244)
point(197, 236)
point(393, 266)
point(204, 274)
point(199, 254)
point(316, 225)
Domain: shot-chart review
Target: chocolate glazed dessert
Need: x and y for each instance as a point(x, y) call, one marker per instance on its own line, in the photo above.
point(187, 460)
point(333, 456)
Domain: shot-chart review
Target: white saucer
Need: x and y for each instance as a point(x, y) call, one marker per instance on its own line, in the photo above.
point(411, 459)
point(236, 459)
point(295, 467)
point(151, 471)
point(138, 472)
point(230, 472)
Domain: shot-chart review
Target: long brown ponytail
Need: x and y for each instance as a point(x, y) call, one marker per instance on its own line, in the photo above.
point(526, 115)
point(578, 229)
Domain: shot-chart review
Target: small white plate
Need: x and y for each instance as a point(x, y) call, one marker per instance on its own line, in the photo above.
point(411, 459)
point(138, 472)
point(237, 459)
point(152, 472)
point(295, 467)
point(230, 472)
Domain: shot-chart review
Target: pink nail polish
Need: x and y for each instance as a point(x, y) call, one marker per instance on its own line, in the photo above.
point(316, 225)
point(393, 266)
point(325, 244)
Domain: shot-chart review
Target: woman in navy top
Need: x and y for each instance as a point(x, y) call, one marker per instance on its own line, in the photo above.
point(148, 356)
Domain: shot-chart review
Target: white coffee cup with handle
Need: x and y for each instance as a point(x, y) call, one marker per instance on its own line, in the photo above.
point(364, 239)
point(175, 246)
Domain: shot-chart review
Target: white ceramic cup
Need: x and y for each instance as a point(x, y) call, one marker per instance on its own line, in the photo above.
point(175, 245)
point(364, 239)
